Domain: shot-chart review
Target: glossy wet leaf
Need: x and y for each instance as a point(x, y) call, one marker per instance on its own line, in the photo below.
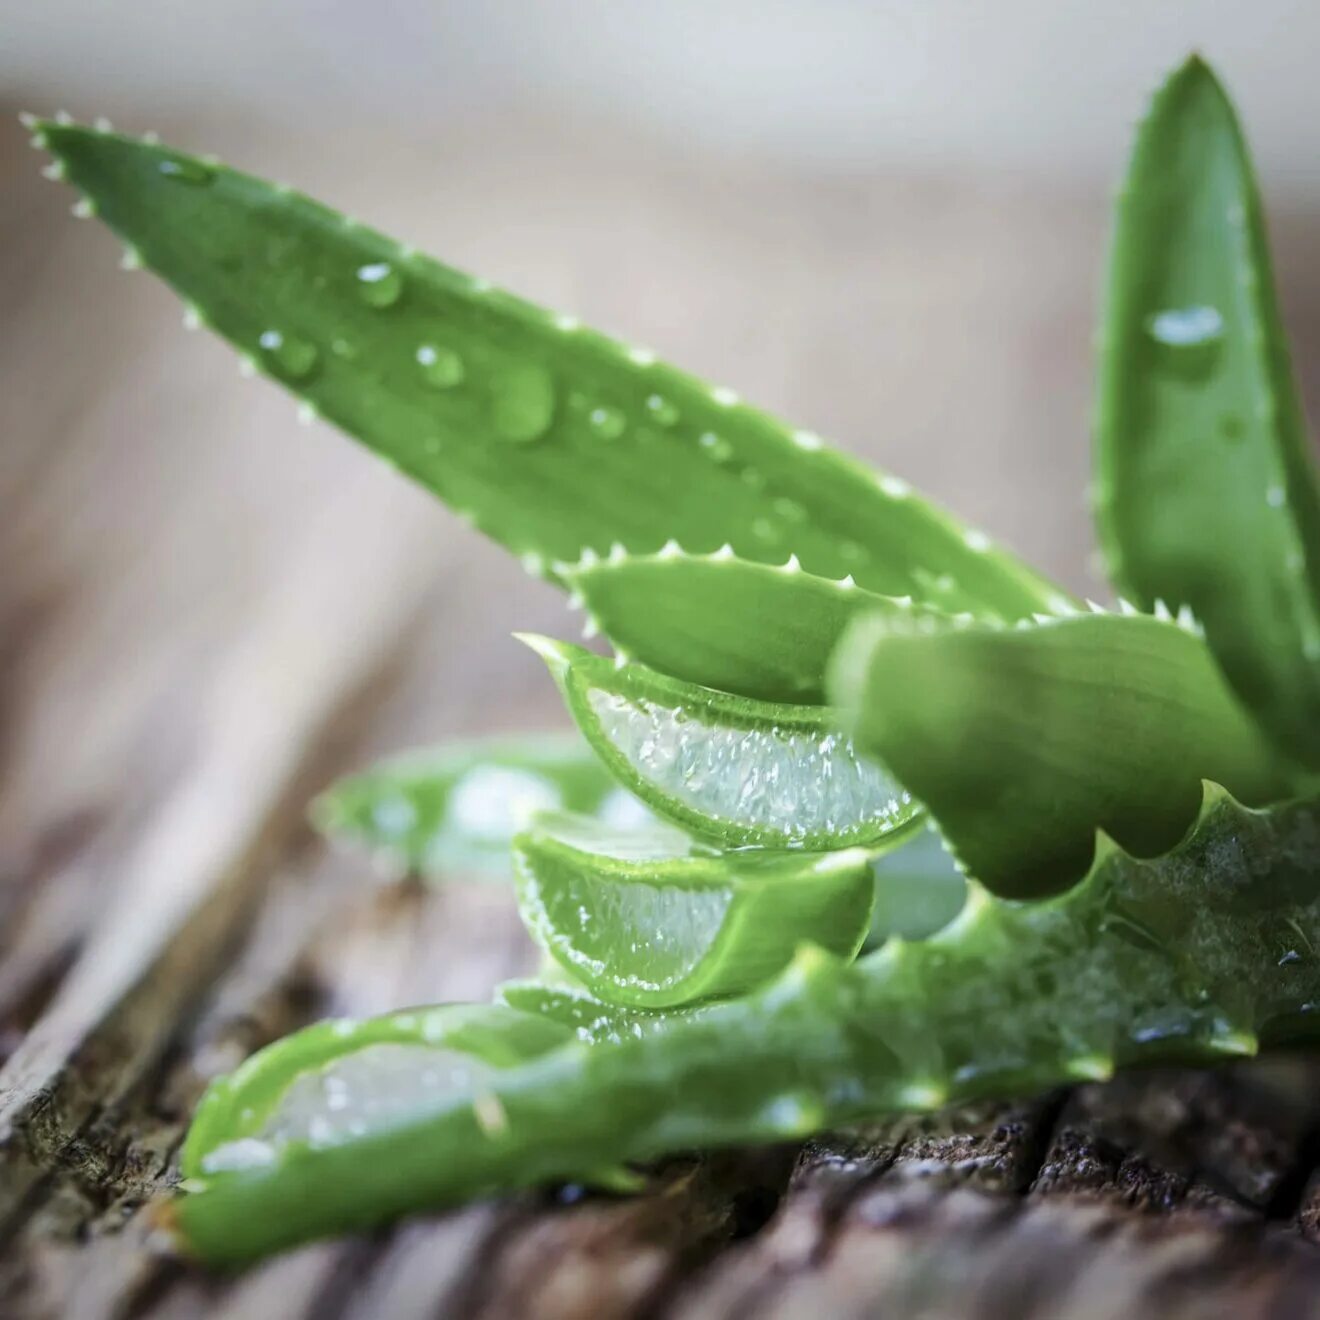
point(1022, 742)
point(1206, 487)
point(726, 623)
point(540, 432)
point(456, 808)
point(1191, 958)
point(645, 923)
point(738, 772)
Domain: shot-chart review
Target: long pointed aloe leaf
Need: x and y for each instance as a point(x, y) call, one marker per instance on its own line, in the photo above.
point(547, 436)
point(755, 629)
point(457, 808)
point(1207, 493)
point(644, 925)
point(738, 772)
point(1023, 742)
point(1134, 966)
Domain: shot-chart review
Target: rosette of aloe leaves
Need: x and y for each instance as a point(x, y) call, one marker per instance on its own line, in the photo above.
point(815, 673)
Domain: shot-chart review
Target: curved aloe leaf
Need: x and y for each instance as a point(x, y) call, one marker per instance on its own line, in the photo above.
point(400, 1061)
point(727, 623)
point(457, 808)
point(1022, 742)
point(1133, 966)
point(592, 1020)
point(1207, 493)
point(737, 772)
point(918, 888)
point(644, 924)
point(536, 430)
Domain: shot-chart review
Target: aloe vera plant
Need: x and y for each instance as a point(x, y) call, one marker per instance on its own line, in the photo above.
point(823, 692)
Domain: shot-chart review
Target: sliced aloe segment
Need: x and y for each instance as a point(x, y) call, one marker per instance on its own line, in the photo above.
point(740, 772)
point(541, 432)
point(455, 809)
point(642, 924)
point(1206, 486)
point(343, 1080)
point(1023, 742)
point(724, 622)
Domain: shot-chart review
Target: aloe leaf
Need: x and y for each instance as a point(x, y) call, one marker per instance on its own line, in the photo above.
point(1133, 966)
point(339, 1080)
point(569, 1003)
point(1023, 742)
point(648, 924)
point(1206, 491)
point(354, 1074)
point(542, 433)
point(754, 629)
point(918, 888)
point(732, 770)
point(456, 808)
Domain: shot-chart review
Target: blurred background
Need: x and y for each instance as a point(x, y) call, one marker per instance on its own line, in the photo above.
point(883, 221)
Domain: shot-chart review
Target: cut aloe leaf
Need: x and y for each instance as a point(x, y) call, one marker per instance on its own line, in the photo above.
point(918, 889)
point(739, 772)
point(1194, 958)
point(540, 432)
point(1206, 490)
point(455, 809)
point(1023, 742)
point(341, 1080)
point(726, 623)
point(642, 924)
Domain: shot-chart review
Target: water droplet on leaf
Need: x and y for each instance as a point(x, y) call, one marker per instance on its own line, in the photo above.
point(523, 403)
point(606, 422)
point(716, 446)
point(183, 169)
point(442, 367)
point(1189, 338)
point(662, 410)
point(379, 284)
point(288, 356)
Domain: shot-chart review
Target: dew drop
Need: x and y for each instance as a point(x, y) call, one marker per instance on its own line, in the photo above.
point(606, 422)
point(288, 356)
point(716, 446)
point(1189, 339)
point(1186, 327)
point(523, 403)
point(183, 169)
point(441, 367)
point(789, 510)
point(662, 410)
point(379, 284)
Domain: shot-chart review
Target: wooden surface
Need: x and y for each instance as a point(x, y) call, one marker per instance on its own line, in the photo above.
point(207, 612)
